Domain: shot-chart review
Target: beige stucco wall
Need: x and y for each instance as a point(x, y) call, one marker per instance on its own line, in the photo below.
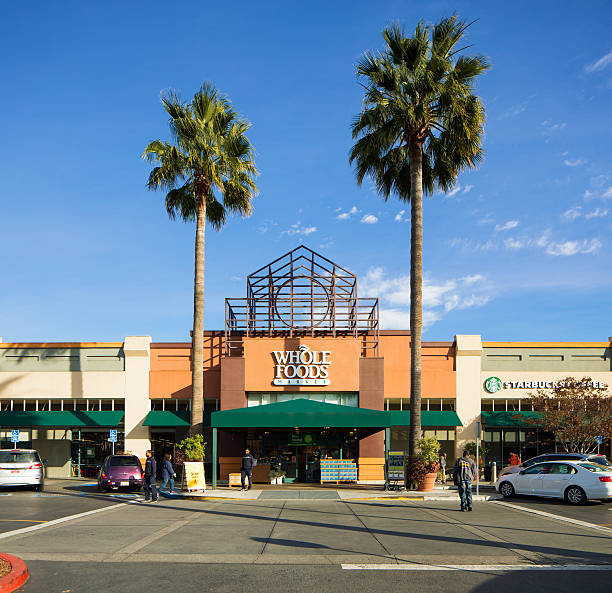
point(55, 385)
point(469, 354)
point(137, 402)
point(504, 376)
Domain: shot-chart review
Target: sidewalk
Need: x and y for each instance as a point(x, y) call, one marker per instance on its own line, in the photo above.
point(487, 492)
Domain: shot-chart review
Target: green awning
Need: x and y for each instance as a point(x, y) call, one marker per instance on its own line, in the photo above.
point(300, 413)
point(63, 419)
point(172, 418)
point(512, 419)
point(437, 418)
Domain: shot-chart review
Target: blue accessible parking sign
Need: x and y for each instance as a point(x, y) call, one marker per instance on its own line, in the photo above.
point(14, 436)
point(113, 436)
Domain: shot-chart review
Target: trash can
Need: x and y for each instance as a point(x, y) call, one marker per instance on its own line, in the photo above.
point(487, 473)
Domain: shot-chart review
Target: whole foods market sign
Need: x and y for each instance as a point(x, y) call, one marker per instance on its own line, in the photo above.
point(495, 384)
point(301, 367)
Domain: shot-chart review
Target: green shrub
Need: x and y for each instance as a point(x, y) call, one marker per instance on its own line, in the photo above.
point(194, 447)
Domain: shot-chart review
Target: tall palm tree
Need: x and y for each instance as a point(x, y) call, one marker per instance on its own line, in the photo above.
point(419, 127)
point(208, 171)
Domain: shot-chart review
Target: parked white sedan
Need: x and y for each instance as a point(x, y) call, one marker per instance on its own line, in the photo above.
point(21, 467)
point(574, 481)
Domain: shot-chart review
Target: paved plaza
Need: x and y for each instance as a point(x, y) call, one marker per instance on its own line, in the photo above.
point(261, 545)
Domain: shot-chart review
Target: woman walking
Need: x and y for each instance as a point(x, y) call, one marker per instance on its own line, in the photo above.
point(168, 473)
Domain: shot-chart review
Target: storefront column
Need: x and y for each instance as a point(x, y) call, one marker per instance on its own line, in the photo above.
point(468, 364)
point(137, 402)
point(214, 458)
point(371, 459)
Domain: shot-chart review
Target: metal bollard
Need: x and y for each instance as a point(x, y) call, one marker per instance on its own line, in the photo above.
point(493, 472)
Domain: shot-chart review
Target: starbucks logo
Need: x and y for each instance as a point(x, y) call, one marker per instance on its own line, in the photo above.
point(493, 384)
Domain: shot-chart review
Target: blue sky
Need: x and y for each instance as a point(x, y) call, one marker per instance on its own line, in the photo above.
point(519, 250)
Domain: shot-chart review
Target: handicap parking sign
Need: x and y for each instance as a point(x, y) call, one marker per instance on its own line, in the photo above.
point(14, 436)
point(113, 436)
point(600, 439)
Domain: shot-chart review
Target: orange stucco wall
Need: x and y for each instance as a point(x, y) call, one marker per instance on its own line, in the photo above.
point(438, 378)
point(343, 367)
point(170, 374)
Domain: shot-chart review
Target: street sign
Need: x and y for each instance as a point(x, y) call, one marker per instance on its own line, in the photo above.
point(113, 436)
point(600, 439)
point(14, 436)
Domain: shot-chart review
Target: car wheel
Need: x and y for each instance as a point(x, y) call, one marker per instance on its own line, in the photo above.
point(38, 488)
point(575, 495)
point(506, 489)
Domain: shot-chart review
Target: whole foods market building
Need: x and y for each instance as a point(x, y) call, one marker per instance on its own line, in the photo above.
point(300, 373)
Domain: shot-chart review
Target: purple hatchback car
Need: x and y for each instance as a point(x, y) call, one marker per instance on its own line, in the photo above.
point(120, 471)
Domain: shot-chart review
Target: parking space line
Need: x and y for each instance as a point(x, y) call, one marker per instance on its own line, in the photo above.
point(26, 530)
point(478, 567)
point(557, 517)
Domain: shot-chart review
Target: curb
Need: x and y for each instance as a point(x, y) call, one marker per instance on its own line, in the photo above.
point(18, 576)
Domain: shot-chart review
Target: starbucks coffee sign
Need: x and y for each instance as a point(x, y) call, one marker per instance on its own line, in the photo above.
point(495, 384)
point(301, 367)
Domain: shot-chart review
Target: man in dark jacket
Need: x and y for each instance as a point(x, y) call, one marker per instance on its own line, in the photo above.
point(464, 473)
point(150, 478)
point(246, 469)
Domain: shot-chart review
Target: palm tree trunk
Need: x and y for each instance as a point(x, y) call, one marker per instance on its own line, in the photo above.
point(197, 338)
point(416, 294)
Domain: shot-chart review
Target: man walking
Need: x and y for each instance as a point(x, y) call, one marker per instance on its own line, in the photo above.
point(443, 467)
point(150, 478)
point(464, 473)
point(246, 469)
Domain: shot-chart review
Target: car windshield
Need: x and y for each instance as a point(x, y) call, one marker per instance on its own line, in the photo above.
point(19, 457)
point(594, 467)
point(124, 461)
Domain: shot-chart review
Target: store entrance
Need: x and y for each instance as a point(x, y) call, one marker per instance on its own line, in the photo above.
point(297, 453)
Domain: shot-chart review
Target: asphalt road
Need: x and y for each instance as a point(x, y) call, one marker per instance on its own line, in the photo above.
point(72, 577)
point(21, 507)
point(596, 512)
point(302, 545)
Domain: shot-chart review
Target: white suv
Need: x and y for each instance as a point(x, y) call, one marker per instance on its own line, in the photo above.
point(21, 467)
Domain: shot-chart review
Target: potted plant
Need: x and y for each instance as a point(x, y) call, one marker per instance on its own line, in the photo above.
point(276, 475)
point(422, 471)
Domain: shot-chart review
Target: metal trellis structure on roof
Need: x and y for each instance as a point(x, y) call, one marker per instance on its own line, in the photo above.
point(301, 294)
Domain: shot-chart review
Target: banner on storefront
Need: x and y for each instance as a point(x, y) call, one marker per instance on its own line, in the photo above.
point(194, 475)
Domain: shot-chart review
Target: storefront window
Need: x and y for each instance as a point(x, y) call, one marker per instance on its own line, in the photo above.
point(486, 405)
point(394, 404)
point(343, 398)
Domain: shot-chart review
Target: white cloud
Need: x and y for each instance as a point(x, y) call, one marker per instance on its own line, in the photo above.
point(346, 215)
point(542, 240)
point(551, 128)
point(399, 217)
point(236, 278)
point(467, 188)
point(511, 224)
point(575, 163)
point(573, 247)
point(573, 213)
point(471, 245)
point(472, 279)
point(452, 192)
point(600, 188)
point(438, 297)
point(514, 110)
point(369, 219)
point(298, 229)
point(600, 64)
point(512, 243)
point(597, 213)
